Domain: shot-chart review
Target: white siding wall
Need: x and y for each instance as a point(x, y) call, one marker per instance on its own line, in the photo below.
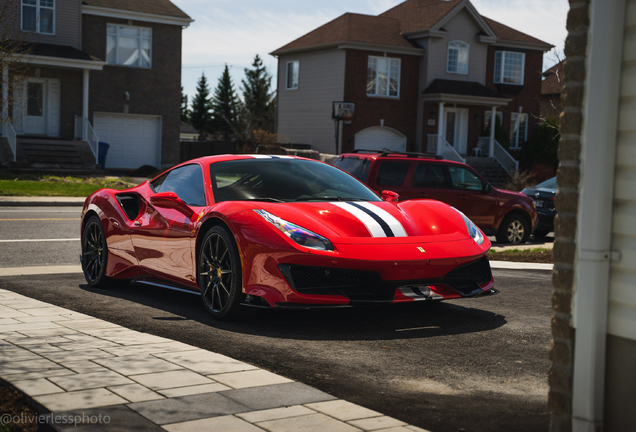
point(622, 307)
point(461, 27)
point(68, 23)
point(304, 115)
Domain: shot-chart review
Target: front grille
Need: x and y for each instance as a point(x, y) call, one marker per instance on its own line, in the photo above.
point(330, 281)
point(466, 278)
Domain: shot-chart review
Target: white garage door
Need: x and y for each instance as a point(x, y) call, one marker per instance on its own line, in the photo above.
point(134, 140)
point(380, 138)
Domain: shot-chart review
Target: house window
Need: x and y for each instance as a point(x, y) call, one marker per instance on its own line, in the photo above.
point(457, 59)
point(293, 71)
point(509, 67)
point(383, 76)
point(38, 16)
point(129, 46)
point(518, 129)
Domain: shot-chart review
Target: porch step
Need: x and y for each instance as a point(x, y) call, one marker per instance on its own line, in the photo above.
point(50, 155)
point(490, 169)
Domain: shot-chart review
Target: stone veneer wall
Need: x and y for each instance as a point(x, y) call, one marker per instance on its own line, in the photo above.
point(568, 176)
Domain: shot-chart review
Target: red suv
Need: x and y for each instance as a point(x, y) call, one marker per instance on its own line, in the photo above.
point(510, 216)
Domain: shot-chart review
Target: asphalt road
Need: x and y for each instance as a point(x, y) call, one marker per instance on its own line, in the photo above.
point(472, 365)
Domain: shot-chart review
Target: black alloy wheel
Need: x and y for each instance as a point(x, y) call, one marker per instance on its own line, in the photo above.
point(220, 276)
point(95, 253)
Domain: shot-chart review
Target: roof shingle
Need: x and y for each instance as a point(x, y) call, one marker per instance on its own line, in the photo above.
point(464, 88)
point(156, 7)
point(417, 15)
point(389, 27)
point(352, 27)
point(553, 81)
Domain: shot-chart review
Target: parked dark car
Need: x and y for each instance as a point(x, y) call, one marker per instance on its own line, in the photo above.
point(510, 216)
point(543, 195)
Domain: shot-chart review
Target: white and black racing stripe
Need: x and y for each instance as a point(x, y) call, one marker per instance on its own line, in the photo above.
point(379, 222)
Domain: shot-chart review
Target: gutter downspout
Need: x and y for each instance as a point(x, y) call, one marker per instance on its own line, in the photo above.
point(595, 211)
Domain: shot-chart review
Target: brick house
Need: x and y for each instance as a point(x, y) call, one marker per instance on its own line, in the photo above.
point(592, 377)
point(98, 70)
point(551, 89)
point(424, 74)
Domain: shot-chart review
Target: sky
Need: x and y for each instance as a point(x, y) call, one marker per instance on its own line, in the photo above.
point(232, 32)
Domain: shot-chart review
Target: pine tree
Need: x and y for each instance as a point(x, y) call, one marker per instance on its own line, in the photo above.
point(200, 115)
point(185, 112)
point(259, 107)
point(224, 106)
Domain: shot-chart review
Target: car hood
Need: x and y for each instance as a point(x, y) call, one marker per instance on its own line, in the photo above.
point(504, 193)
point(542, 192)
point(348, 222)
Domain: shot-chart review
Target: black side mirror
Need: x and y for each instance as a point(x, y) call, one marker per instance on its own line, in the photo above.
point(487, 188)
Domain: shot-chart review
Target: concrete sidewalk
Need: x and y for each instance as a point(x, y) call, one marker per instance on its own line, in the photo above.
point(83, 373)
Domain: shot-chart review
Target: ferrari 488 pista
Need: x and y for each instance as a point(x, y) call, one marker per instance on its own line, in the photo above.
point(247, 231)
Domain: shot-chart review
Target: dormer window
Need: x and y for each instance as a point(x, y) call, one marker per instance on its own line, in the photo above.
point(457, 59)
point(38, 16)
point(509, 67)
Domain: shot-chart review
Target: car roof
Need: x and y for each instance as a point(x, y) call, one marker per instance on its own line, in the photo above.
point(386, 155)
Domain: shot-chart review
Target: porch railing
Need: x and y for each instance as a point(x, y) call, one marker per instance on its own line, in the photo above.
point(510, 164)
point(93, 140)
point(12, 138)
point(91, 136)
point(437, 144)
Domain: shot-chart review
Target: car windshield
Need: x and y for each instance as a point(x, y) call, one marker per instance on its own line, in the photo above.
point(359, 168)
point(284, 180)
point(548, 184)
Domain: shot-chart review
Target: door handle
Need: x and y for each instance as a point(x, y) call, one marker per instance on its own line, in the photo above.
point(463, 197)
point(422, 195)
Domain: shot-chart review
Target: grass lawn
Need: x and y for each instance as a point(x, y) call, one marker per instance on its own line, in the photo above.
point(12, 184)
point(536, 255)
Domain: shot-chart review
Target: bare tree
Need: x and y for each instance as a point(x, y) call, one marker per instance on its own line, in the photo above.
point(13, 49)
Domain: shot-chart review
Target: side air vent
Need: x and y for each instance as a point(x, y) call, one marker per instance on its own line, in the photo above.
point(130, 205)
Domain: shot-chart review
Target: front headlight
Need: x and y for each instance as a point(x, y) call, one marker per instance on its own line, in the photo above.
point(300, 235)
point(473, 231)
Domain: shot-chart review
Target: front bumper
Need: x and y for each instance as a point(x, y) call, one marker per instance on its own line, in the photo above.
point(376, 283)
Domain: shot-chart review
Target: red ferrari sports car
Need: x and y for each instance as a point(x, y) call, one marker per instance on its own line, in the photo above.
point(280, 232)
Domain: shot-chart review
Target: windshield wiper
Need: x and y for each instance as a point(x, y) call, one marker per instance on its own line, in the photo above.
point(264, 199)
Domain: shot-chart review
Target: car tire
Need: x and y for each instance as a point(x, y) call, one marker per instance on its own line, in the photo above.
point(220, 275)
point(95, 254)
point(513, 230)
point(540, 233)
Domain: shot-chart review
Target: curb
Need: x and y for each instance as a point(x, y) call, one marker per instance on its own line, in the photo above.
point(42, 201)
point(512, 265)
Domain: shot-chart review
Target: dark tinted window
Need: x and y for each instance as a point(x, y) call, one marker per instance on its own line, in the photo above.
point(282, 179)
point(359, 168)
point(392, 173)
point(465, 179)
point(186, 182)
point(429, 175)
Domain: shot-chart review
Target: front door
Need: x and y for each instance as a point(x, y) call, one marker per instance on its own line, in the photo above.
point(36, 103)
point(456, 128)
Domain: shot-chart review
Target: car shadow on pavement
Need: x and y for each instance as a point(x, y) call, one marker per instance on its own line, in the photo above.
point(385, 322)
